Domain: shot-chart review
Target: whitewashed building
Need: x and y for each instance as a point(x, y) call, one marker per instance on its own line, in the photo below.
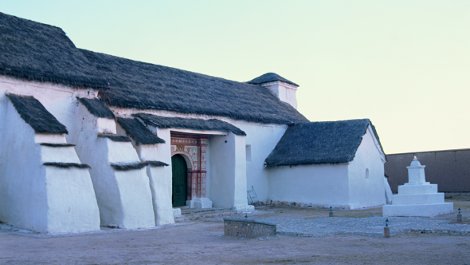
point(340, 164)
point(90, 140)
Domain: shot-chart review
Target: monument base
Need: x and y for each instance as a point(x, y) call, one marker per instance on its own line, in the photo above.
point(426, 210)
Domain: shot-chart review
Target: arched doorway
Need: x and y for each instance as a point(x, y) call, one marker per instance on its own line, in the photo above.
point(179, 171)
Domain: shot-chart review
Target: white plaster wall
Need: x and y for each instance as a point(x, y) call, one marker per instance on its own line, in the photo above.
point(283, 91)
point(59, 154)
point(50, 138)
point(34, 198)
point(160, 152)
point(121, 152)
point(240, 177)
point(160, 186)
point(367, 191)
point(321, 185)
point(291, 96)
point(71, 201)
point(262, 138)
point(221, 166)
point(124, 197)
point(105, 125)
point(22, 183)
point(136, 198)
point(57, 99)
point(62, 105)
point(82, 131)
point(93, 151)
point(160, 178)
point(228, 172)
point(274, 89)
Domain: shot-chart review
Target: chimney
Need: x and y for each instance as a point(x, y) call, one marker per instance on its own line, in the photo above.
point(280, 87)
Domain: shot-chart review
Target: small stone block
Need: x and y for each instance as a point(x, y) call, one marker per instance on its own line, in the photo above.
point(248, 228)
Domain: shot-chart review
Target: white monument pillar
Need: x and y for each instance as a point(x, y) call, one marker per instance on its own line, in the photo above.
point(416, 173)
point(417, 197)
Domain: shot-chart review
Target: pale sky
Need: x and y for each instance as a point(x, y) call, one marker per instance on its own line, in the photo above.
point(403, 64)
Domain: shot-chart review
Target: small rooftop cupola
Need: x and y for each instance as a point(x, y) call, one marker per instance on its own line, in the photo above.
point(282, 88)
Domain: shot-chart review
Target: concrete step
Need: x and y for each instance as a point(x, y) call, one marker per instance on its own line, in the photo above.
point(427, 210)
point(407, 199)
point(417, 189)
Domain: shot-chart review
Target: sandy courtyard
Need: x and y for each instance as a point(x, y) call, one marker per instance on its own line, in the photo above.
point(201, 241)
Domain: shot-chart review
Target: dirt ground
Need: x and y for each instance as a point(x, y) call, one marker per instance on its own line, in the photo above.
point(202, 242)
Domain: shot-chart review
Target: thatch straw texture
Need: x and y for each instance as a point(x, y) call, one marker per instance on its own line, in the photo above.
point(270, 77)
point(319, 143)
point(128, 166)
point(57, 145)
point(35, 51)
point(138, 132)
point(146, 86)
point(184, 123)
point(137, 165)
point(39, 52)
point(66, 165)
point(114, 137)
point(154, 163)
point(34, 114)
point(97, 108)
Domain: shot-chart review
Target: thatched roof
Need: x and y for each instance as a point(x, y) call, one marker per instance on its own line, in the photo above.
point(97, 108)
point(35, 51)
point(65, 165)
point(39, 52)
point(155, 163)
point(319, 143)
point(58, 145)
point(138, 132)
point(34, 114)
point(114, 137)
point(137, 165)
point(270, 77)
point(146, 86)
point(184, 123)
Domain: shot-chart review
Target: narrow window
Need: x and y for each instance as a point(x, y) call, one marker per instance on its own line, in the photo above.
point(367, 173)
point(248, 152)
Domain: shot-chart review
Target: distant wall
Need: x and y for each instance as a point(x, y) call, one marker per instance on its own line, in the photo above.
point(450, 169)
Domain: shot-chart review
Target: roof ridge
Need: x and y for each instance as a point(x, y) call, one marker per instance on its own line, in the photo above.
point(163, 66)
point(270, 77)
point(31, 21)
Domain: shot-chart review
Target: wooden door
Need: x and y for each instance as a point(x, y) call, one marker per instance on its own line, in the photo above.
point(180, 174)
